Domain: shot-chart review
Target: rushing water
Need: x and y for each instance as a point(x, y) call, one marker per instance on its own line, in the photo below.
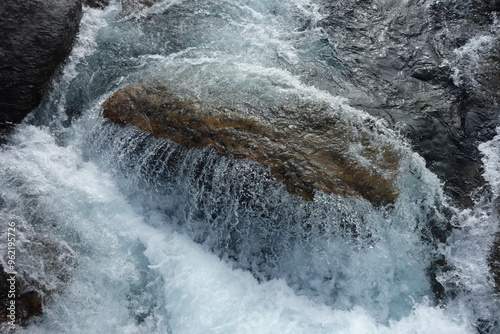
point(130, 234)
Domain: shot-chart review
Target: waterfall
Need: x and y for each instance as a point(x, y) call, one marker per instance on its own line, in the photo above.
point(123, 232)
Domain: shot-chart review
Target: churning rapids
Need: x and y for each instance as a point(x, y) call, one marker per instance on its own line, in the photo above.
point(133, 234)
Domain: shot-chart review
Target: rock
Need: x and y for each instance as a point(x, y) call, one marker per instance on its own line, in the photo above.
point(28, 303)
point(488, 73)
point(101, 4)
point(36, 36)
point(402, 57)
point(133, 6)
point(494, 261)
point(308, 151)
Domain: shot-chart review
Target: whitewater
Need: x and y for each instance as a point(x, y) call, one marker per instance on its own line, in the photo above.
point(125, 236)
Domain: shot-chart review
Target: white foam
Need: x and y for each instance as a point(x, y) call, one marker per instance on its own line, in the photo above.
point(198, 293)
point(204, 295)
point(467, 59)
point(468, 248)
point(85, 45)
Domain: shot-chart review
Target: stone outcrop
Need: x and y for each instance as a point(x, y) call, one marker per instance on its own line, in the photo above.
point(401, 56)
point(420, 69)
point(306, 150)
point(27, 303)
point(36, 36)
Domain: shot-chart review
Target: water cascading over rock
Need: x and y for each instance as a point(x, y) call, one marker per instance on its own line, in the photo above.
point(308, 151)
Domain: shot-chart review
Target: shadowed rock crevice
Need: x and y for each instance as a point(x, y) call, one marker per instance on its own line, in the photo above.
point(308, 151)
point(27, 303)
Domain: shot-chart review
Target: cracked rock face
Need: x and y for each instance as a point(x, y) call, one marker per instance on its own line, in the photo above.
point(308, 151)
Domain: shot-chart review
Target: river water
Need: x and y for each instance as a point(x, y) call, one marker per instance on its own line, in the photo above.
point(126, 233)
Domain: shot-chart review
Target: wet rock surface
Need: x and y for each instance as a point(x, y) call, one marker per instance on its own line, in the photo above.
point(308, 151)
point(494, 260)
point(35, 38)
point(27, 303)
point(96, 3)
point(416, 64)
point(431, 69)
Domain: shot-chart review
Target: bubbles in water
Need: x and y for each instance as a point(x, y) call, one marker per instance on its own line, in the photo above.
point(155, 238)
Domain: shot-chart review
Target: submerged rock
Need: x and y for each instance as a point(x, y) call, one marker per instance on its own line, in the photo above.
point(36, 36)
point(46, 272)
point(308, 151)
point(43, 268)
point(27, 302)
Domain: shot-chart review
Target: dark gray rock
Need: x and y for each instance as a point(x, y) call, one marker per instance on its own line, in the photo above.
point(133, 6)
point(494, 260)
point(444, 93)
point(35, 38)
point(128, 6)
point(96, 3)
point(401, 59)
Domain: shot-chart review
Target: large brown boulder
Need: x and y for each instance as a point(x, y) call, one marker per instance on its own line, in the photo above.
point(35, 38)
point(308, 151)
